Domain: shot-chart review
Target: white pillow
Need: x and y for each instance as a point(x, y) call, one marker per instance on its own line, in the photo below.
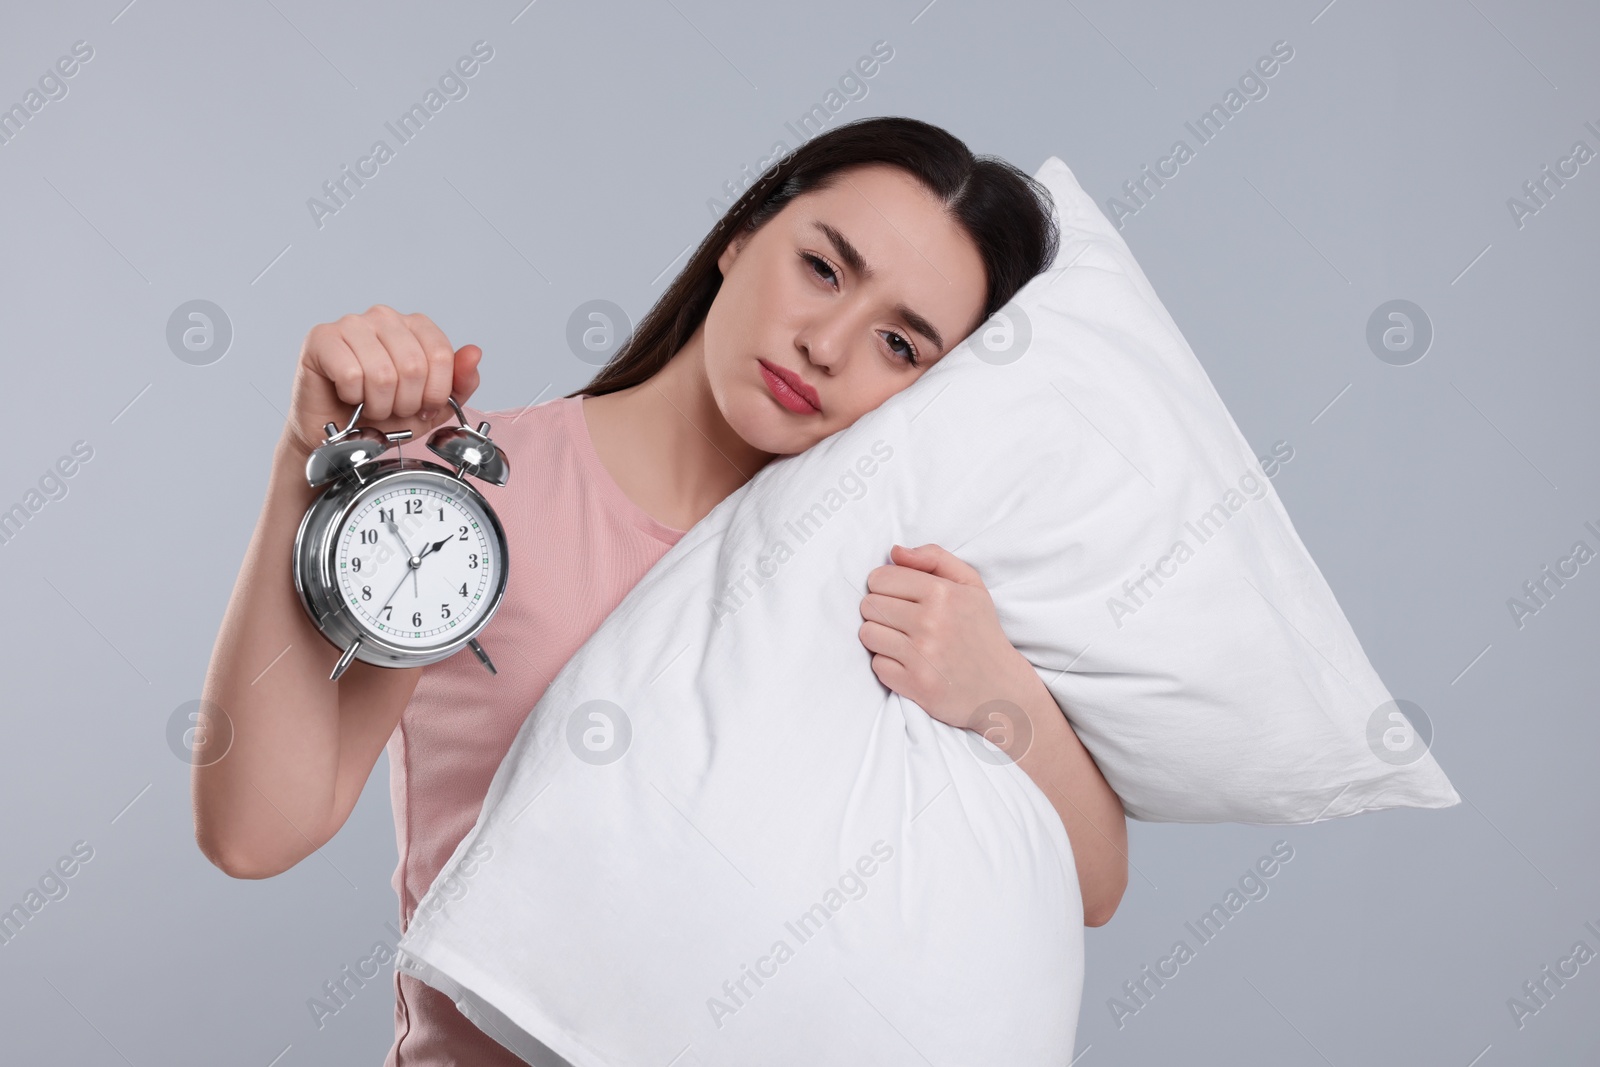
point(718, 763)
point(1155, 579)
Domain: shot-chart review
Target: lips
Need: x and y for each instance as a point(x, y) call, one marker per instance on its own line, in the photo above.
point(790, 389)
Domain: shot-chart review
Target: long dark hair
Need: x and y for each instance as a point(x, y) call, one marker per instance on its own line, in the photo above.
point(1008, 215)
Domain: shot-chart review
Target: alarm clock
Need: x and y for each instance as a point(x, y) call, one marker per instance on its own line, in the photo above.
point(400, 562)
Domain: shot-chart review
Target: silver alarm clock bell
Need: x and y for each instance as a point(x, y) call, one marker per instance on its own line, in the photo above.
point(400, 562)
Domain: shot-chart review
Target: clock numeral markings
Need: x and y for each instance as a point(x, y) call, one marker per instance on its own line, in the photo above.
point(378, 572)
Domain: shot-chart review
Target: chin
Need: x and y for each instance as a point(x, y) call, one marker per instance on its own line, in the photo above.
point(763, 423)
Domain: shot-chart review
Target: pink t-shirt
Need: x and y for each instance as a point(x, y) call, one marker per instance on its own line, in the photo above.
point(578, 544)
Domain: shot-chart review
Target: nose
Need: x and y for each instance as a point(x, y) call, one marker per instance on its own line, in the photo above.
point(825, 340)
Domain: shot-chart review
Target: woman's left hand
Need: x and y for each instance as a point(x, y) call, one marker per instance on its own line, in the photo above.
point(932, 625)
point(937, 640)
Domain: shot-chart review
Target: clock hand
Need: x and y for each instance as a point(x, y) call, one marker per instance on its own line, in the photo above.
point(426, 550)
point(395, 529)
point(397, 585)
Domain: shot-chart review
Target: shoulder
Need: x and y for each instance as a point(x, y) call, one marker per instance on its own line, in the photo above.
point(538, 445)
point(512, 426)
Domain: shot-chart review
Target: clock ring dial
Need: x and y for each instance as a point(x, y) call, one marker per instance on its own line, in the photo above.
point(416, 561)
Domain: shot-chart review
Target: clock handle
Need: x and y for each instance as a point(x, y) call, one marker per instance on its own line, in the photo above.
point(344, 660)
point(482, 655)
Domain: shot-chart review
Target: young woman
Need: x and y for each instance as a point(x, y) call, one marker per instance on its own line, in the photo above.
point(831, 284)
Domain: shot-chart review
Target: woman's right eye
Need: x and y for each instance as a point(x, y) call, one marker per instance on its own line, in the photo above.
point(816, 262)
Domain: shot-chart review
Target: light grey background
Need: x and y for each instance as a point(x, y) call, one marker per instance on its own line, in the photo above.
point(1379, 166)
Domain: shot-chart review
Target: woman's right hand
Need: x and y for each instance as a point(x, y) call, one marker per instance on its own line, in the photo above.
point(300, 747)
point(401, 367)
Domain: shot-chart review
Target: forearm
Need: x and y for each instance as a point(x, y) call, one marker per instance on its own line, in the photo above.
point(1090, 810)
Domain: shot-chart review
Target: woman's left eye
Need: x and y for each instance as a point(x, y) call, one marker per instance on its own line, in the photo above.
point(910, 352)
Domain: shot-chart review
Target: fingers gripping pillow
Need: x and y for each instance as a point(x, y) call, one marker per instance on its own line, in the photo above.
point(719, 839)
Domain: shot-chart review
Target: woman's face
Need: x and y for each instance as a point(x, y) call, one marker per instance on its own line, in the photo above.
point(842, 290)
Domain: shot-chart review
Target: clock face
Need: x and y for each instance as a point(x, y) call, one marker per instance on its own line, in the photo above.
point(417, 562)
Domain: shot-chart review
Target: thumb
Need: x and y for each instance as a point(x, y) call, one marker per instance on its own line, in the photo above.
point(465, 379)
point(937, 561)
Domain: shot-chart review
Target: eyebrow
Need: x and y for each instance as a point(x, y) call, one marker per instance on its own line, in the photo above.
point(853, 259)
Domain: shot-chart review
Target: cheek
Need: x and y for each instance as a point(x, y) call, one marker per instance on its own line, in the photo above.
point(743, 310)
point(872, 382)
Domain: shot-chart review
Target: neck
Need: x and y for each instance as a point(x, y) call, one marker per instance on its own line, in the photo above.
point(670, 438)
